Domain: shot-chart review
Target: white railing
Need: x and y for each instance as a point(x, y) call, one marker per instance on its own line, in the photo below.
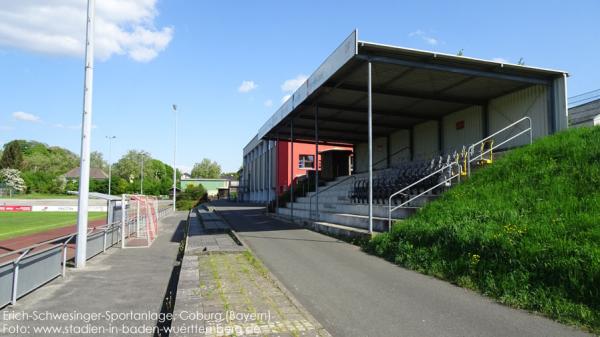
point(446, 179)
point(508, 127)
point(15, 257)
point(470, 159)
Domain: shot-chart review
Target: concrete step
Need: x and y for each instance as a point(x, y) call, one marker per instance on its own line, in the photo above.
point(351, 220)
point(336, 230)
point(342, 196)
point(350, 208)
point(325, 200)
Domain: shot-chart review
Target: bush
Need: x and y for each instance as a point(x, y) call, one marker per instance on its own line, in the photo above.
point(42, 182)
point(185, 205)
point(525, 230)
point(192, 192)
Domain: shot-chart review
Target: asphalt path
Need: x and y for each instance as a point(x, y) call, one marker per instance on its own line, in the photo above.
point(352, 293)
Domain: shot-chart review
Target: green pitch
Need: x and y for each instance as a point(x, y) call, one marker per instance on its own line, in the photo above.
point(13, 224)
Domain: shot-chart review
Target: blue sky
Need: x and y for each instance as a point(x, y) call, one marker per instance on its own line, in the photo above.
point(222, 62)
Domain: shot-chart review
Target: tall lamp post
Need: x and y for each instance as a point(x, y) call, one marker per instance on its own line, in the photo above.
point(142, 175)
point(110, 138)
point(86, 130)
point(174, 106)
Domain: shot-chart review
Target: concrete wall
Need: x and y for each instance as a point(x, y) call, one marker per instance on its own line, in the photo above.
point(379, 155)
point(532, 102)
point(462, 128)
point(266, 168)
point(544, 105)
point(399, 147)
point(426, 142)
point(210, 185)
point(584, 115)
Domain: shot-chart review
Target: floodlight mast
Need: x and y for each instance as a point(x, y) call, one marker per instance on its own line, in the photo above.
point(86, 128)
point(110, 138)
point(174, 107)
point(142, 175)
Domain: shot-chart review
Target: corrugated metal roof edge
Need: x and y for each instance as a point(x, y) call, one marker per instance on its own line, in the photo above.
point(254, 141)
point(460, 58)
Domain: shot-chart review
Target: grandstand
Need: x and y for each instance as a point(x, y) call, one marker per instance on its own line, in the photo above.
point(417, 122)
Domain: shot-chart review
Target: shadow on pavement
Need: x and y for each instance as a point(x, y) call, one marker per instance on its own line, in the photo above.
point(179, 232)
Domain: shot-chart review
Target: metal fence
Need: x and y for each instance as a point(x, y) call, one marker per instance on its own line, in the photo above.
point(26, 269)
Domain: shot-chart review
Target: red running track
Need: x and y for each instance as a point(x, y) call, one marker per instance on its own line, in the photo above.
point(14, 244)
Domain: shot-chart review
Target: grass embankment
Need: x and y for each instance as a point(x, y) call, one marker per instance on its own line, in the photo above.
point(525, 230)
point(13, 224)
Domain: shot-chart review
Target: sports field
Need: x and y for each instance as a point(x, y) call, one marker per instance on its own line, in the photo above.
point(13, 224)
point(39, 196)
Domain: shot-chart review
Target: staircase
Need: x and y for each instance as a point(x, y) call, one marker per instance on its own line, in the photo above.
point(338, 214)
point(335, 209)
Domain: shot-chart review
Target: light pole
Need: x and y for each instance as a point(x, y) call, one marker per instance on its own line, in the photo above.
point(142, 175)
point(86, 130)
point(174, 106)
point(110, 138)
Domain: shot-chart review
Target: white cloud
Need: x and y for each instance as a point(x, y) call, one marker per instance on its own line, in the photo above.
point(123, 27)
point(293, 83)
point(71, 127)
point(269, 103)
point(285, 98)
point(6, 128)
point(424, 36)
point(500, 60)
point(247, 86)
point(26, 117)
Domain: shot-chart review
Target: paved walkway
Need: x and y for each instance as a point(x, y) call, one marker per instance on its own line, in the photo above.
point(354, 294)
point(230, 292)
point(118, 293)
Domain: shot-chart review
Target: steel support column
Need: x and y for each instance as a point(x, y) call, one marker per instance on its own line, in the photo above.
point(317, 160)
point(276, 174)
point(268, 174)
point(123, 220)
point(292, 170)
point(370, 93)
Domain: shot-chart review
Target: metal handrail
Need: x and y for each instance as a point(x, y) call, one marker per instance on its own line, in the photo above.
point(472, 146)
point(438, 171)
point(60, 242)
point(326, 189)
point(50, 241)
point(33, 247)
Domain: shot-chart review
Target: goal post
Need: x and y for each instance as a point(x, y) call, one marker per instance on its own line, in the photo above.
point(139, 220)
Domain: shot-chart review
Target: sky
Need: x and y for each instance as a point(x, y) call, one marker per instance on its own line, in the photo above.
point(228, 64)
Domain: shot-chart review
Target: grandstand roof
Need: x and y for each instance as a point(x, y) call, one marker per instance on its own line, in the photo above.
point(409, 87)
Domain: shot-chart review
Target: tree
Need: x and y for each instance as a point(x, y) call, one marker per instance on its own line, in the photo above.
point(11, 178)
point(97, 161)
point(206, 169)
point(158, 176)
point(130, 164)
point(12, 156)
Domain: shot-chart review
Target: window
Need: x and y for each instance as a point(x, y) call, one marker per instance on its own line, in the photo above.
point(306, 161)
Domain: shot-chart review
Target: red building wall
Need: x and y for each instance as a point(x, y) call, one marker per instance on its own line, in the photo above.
point(284, 178)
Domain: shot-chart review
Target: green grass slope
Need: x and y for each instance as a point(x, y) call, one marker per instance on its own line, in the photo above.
point(525, 230)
